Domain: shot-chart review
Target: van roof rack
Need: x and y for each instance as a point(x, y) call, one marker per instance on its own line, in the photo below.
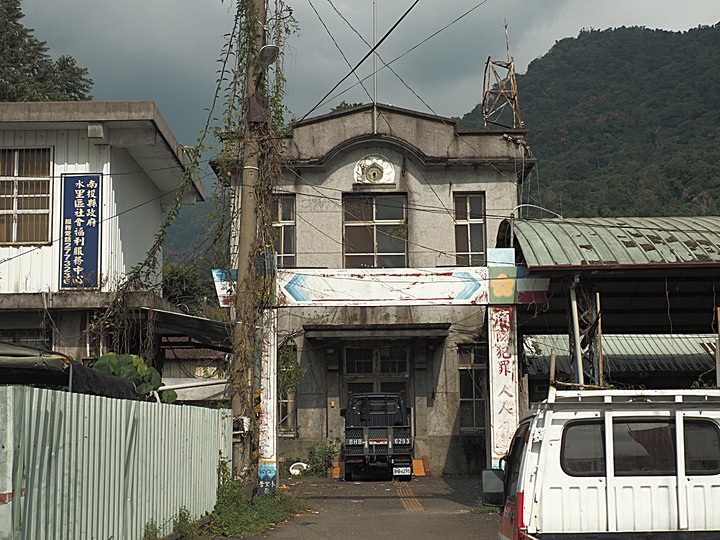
point(632, 397)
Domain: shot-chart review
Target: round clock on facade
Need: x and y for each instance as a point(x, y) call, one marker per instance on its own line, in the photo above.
point(374, 170)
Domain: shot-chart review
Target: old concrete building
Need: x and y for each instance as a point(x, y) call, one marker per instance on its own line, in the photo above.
point(83, 186)
point(407, 201)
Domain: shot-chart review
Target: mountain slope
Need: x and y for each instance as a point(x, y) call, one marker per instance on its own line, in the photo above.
point(624, 122)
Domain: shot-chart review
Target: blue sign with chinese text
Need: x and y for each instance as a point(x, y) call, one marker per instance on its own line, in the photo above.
point(80, 240)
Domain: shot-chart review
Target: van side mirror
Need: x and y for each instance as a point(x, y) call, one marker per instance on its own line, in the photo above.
point(493, 487)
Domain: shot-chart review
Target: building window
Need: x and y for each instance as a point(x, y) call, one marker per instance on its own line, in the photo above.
point(393, 360)
point(287, 416)
point(358, 360)
point(283, 219)
point(25, 196)
point(375, 231)
point(470, 229)
point(385, 360)
point(472, 361)
point(34, 338)
point(383, 367)
point(289, 376)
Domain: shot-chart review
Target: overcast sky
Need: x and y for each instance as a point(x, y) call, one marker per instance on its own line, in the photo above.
point(168, 50)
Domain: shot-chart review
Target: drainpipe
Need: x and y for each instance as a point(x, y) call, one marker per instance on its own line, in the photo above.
point(576, 331)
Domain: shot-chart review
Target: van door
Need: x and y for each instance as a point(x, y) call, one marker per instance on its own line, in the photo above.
point(511, 516)
point(702, 472)
point(643, 490)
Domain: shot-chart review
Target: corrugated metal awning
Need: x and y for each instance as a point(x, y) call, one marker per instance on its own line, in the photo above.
point(168, 323)
point(628, 353)
point(613, 242)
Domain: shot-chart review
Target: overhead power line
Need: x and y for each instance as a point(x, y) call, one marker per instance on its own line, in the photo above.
point(370, 52)
point(385, 64)
point(388, 64)
point(337, 46)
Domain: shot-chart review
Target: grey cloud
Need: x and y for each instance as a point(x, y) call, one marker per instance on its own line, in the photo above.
point(167, 50)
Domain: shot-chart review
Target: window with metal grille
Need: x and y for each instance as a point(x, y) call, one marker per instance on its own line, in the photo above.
point(358, 360)
point(287, 415)
point(375, 228)
point(283, 220)
point(289, 376)
point(360, 387)
point(34, 338)
point(394, 387)
point(25, 196)
point(393, 360)
point(470, 229)
point(472, 360)
point(385, 360)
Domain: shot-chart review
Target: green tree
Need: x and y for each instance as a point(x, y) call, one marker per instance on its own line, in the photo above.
point(27, 72)
point(188, 286)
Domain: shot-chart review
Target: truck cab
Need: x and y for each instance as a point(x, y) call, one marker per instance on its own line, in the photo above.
point(377, 435)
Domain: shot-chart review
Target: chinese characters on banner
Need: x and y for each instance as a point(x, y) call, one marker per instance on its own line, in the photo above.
point(503, 380)
point(80, 242)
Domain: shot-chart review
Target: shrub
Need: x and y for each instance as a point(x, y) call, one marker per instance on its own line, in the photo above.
point(133, 368)
point(235, 515)
point(321, 456)
point(184, 526)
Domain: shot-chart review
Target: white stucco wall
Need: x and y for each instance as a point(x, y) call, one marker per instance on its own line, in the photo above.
point(130, 215)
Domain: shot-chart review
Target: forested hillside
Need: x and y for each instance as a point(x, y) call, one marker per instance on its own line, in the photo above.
point(624, 122)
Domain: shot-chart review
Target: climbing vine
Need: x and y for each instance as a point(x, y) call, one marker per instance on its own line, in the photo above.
point(289, 371)
point(237, 57)
point(117, 320)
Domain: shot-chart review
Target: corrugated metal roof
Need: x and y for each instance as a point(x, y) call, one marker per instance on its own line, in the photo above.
point(628, 352)
point(587, 242)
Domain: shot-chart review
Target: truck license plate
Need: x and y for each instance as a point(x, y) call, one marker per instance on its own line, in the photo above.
point(402, 471)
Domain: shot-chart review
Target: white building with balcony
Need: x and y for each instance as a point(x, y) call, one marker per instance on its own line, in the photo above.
point(83, 187)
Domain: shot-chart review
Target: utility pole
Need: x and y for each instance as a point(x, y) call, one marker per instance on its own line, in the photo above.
point(243, 256)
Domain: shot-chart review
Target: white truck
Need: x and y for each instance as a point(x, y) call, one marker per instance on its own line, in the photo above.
point(612, 464)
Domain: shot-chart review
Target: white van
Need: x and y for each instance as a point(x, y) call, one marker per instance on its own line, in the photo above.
point(612, 464)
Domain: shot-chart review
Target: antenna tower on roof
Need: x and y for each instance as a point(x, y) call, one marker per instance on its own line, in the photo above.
point(500, 104)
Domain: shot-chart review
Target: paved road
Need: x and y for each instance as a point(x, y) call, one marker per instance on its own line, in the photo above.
point(426, 508)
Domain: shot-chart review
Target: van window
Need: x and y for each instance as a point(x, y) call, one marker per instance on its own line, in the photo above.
point(702, 447)
point(583, 449)
point(642, 447)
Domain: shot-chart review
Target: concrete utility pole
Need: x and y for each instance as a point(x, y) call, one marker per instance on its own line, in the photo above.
point(254, 116)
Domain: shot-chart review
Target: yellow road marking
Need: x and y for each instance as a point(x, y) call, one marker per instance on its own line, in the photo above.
point(408, 500)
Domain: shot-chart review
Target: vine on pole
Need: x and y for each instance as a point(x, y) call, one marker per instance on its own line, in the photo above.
point(250, 163)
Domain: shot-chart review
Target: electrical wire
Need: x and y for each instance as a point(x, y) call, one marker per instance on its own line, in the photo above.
point(339, 49)
point(328, 97)
point(370, 52)
point(381, 59)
